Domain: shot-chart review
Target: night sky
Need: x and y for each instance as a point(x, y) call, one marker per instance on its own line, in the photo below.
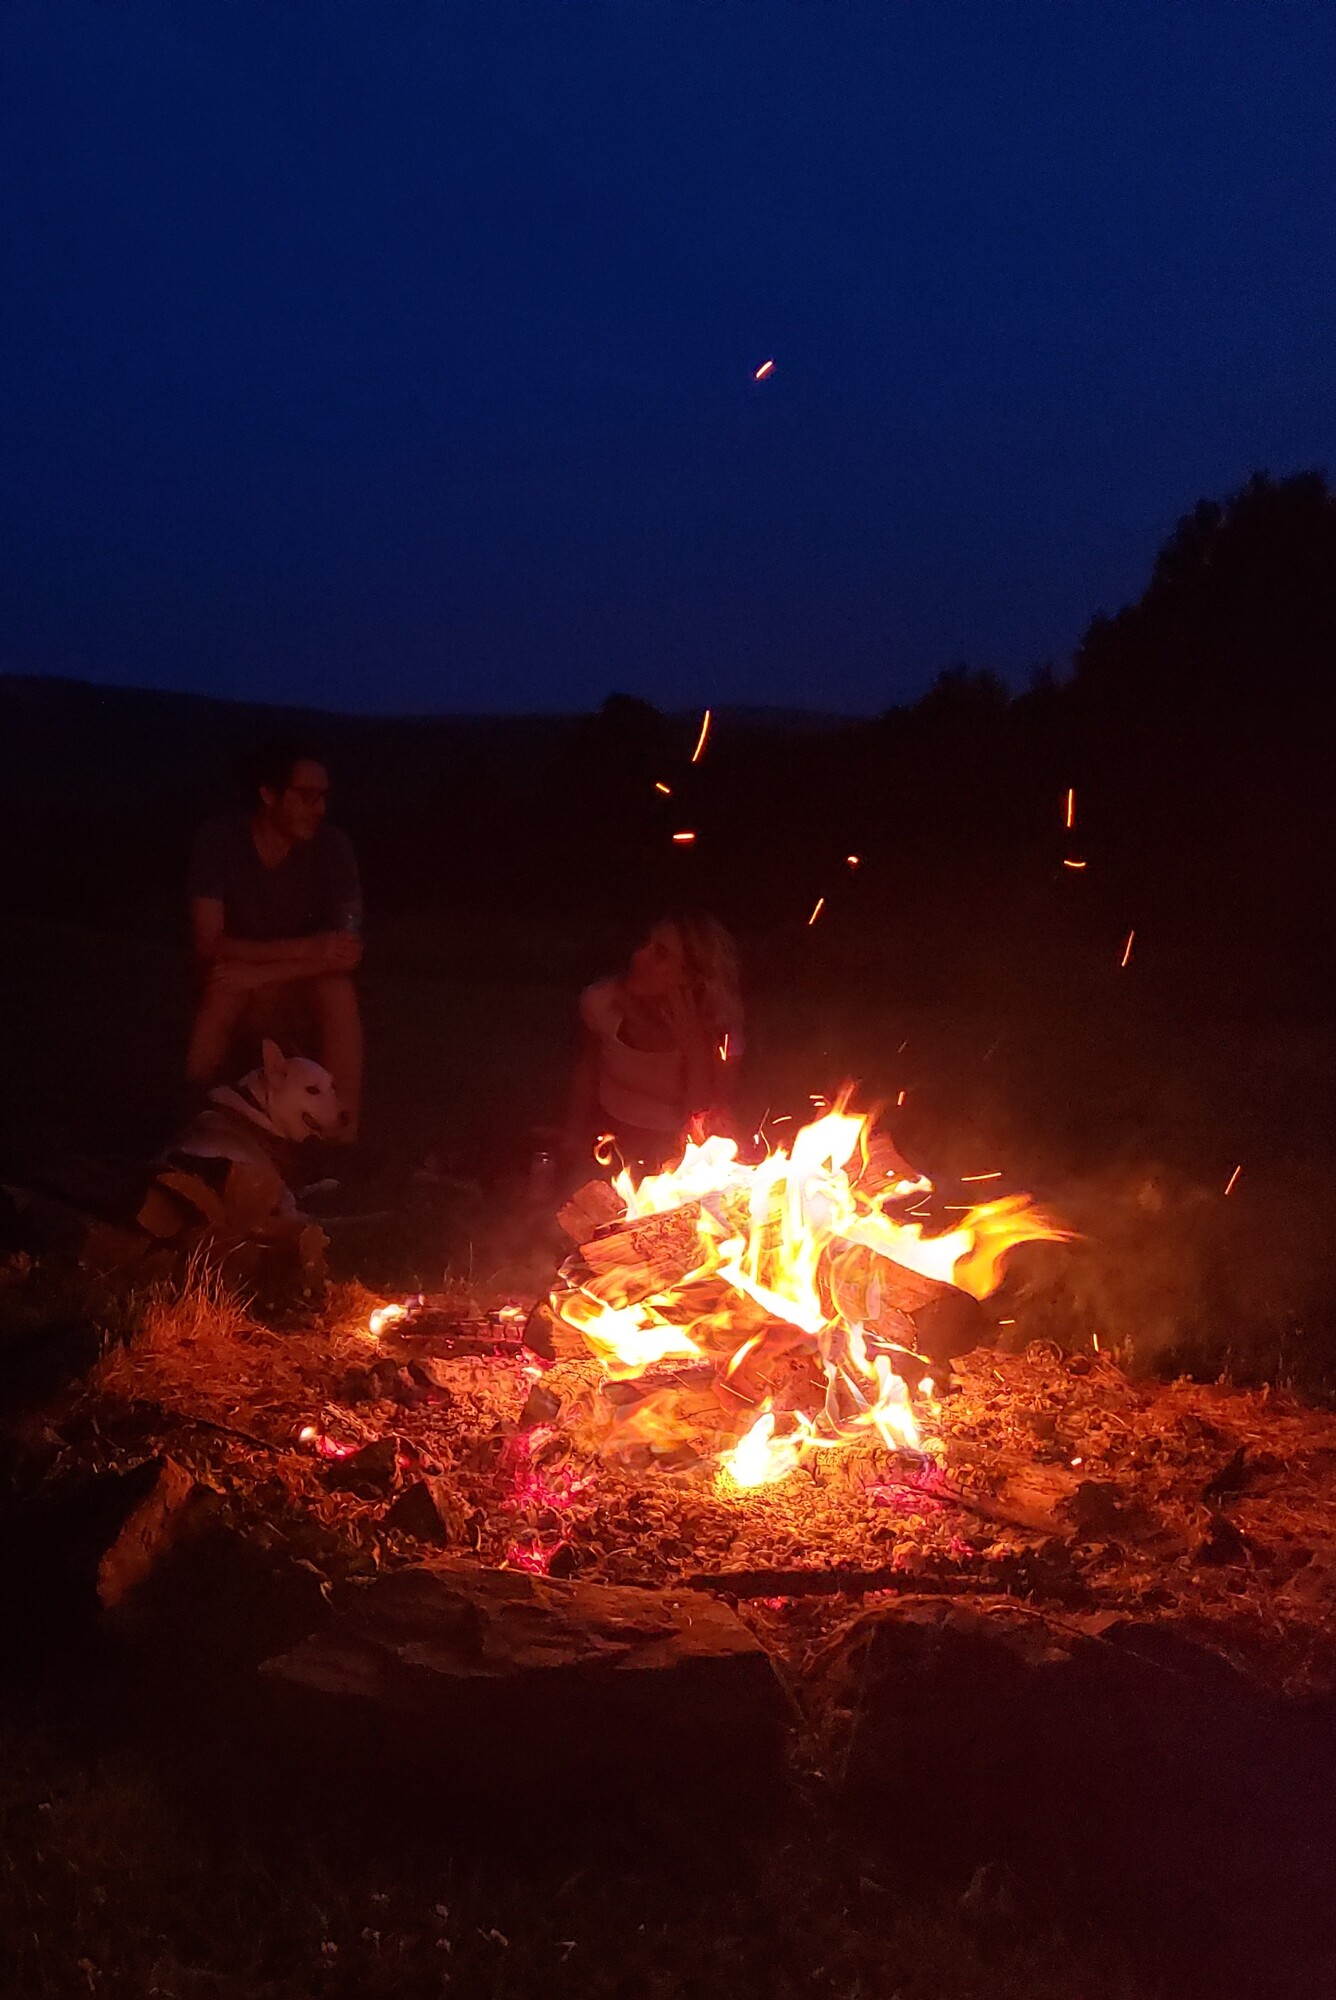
point(399, 354)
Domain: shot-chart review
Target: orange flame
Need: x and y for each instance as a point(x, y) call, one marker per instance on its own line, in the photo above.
point(802, 1246)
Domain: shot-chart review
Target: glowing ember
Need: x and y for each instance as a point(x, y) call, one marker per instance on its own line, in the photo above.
point(384, 1316)
point(789, 1283)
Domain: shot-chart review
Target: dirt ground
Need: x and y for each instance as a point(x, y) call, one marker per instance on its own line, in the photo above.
point(119, 1880)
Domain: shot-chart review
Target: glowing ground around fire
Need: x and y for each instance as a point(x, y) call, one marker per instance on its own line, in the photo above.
point(1111, 1476)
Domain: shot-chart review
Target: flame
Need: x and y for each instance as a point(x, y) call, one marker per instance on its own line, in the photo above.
point(800, 1254)
point(384, 1316)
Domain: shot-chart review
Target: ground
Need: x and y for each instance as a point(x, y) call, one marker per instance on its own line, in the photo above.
point(118, 1880)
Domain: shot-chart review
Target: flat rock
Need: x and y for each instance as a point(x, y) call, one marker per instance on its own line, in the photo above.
point(512, 1687)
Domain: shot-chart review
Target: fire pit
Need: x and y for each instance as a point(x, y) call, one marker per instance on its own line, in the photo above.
point(753, 1318)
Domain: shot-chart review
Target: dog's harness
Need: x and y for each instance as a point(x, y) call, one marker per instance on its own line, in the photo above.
point(244, 1100)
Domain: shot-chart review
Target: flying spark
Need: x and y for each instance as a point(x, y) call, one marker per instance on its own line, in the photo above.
point(1126, 958)
point(699, 750)
point(659, 786)
point(683, 839)
point(723, 1050)
point(1229, 1184)
point(995, 1175)
point(853, 860)
point(766, 368)
point(820, 906)
point(901, 1098)
point(1073, 864)
point(1069, 814)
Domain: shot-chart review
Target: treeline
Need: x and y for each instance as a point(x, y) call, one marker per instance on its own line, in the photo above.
point(1190, 735)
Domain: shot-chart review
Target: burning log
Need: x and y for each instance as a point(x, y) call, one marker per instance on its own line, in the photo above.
point(631, 1261)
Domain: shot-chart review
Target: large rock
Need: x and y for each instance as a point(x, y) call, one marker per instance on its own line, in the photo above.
point(535, 1695)
point(1122, 1765)
point(87, 1548)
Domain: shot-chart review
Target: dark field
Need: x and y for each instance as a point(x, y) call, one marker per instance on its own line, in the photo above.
point(508, 865)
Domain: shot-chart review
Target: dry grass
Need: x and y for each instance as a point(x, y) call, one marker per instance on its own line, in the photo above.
point(196, 1346)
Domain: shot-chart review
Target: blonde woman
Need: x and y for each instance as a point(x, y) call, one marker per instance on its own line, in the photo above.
point(661, 1044)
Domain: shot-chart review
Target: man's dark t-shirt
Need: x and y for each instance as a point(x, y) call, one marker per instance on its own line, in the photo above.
point(314, 888)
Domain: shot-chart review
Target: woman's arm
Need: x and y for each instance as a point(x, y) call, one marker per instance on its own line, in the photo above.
point(581, 1128)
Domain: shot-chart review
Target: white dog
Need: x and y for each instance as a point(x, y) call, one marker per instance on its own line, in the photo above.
point(258, 1122)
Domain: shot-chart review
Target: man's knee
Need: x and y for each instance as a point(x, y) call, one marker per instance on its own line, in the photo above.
point(217, 1016)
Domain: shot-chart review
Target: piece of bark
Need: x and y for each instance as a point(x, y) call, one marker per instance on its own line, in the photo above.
point(1036, 1497)
point(551, 1338)
point(372, 1470)
point(591, 1209)
point(431, 1511)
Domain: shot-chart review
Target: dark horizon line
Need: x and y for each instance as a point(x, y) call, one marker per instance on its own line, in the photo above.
point(13, 677)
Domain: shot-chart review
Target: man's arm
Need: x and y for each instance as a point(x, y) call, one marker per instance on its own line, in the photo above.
point(254, 963)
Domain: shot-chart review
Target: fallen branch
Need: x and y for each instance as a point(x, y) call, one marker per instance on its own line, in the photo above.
point(823, 1582)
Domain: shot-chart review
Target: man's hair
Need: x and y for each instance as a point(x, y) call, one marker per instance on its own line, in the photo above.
point(271, 767)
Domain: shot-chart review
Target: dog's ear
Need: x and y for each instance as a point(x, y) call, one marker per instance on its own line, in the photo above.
point(275, 1063)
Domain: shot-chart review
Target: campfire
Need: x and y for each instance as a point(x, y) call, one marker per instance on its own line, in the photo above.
point(759, 1317)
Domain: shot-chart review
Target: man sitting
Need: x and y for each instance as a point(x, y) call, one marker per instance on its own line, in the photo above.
point(275, 919)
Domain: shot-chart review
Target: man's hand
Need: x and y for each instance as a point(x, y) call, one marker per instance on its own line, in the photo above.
point(335, 951)
point(235, 975)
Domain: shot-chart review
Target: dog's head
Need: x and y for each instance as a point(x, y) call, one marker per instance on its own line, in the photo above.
point(296, 1096)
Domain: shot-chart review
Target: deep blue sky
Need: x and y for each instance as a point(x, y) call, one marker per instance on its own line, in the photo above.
point(398, 353)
